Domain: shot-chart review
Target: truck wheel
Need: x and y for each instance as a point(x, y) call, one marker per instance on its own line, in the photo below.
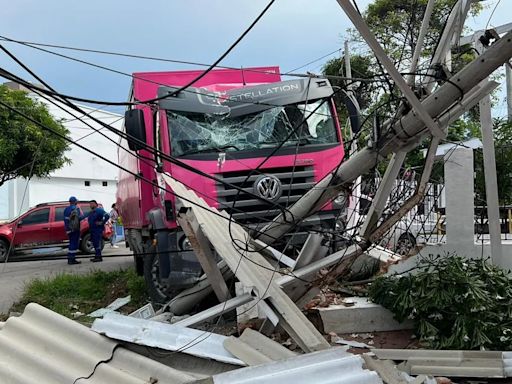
point(406, 242)
point(138, 263)
point(4, 250)
point(155, 289)
point(86, 244)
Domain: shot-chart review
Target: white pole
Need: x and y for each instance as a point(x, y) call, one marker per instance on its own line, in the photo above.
point(508, 74)
point(491, 180)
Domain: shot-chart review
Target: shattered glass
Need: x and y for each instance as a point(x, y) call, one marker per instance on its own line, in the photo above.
point(196, 133)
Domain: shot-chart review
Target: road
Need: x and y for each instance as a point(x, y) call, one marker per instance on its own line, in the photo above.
point(14, 275)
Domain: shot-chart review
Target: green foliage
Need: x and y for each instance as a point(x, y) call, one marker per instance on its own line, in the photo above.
point(21, 140)
point(396, 24)
point(88, 292)
point(503, 149)
point(455, 303)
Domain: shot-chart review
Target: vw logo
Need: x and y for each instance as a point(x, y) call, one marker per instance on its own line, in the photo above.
point(268, 187)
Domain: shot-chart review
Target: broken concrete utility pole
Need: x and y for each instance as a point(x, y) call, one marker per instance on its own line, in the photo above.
point(402, 135)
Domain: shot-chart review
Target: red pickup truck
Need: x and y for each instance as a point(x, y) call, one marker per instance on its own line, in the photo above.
point(42, 226)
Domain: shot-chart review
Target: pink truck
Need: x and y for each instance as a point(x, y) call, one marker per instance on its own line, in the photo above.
point(225, 126)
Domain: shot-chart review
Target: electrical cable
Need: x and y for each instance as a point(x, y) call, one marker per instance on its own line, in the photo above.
point(492, 14)
point(290, 73)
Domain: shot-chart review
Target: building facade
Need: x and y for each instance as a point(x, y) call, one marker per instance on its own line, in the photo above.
point(87, 176)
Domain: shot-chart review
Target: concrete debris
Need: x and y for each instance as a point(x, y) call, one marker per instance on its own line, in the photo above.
point(251, 268)
point(170, 337)
point(114, 306)
point(489, 364)
point(145, 312)
point(363, 316)
point(77, 314)
point(351, 343)
point(253, 348)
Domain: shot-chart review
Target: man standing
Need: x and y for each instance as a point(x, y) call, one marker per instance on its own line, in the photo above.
point(72, 217)
point(114, 216)
point(97, 219)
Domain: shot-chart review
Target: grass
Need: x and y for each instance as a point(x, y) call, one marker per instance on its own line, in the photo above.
point(66, 294)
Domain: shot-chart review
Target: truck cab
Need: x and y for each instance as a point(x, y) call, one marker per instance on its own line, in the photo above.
point(243, 140)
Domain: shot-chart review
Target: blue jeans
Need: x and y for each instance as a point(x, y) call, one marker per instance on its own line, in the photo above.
point(74, 241)
point(96, 241)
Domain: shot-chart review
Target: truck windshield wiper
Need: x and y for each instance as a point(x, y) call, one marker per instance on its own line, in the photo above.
point(214, 149)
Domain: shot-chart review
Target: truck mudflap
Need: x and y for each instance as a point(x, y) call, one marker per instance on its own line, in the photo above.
point(177, 268)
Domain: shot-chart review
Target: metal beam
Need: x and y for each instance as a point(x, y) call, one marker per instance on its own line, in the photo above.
point(491, 181)
point(508, 76)
point(408, 131)
point(475, 36)
point(363, 29)
point(204, 254)
point(383, 192)
point(311, 250)
point(421, 37)
point(215, 311)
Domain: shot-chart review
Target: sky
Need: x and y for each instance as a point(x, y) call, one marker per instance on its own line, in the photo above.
point(292, 33)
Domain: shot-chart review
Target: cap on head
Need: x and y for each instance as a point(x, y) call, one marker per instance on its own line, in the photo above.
point(73, 199)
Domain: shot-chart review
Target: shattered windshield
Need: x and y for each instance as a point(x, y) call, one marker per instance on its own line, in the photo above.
point(199, 133)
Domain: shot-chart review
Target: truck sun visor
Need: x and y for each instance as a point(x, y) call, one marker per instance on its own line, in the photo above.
point(247, 100)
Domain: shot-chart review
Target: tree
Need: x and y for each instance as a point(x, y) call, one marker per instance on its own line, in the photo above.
point(25, 149)
point(397, 23)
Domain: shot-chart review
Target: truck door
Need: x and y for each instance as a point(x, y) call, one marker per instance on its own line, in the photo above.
point(33, 229)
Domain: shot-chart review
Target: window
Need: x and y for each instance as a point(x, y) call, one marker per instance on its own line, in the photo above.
point(59, 213)
point(105, 183)
point(85, 209)
point(38, 217)
point(87, 183)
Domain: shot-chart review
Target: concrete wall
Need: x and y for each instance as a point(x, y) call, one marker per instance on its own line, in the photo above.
point(460, 236)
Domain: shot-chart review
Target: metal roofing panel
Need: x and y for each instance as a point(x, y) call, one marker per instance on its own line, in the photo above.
point(166, 336)
point(43, 347)
point(324, 367)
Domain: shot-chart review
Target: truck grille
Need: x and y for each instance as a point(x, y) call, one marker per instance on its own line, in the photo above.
point(295, 181)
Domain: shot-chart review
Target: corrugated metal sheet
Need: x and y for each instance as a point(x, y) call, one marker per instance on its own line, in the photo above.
point(43, 347)
point(451, 363)
point(166, 336)
point(324, 367)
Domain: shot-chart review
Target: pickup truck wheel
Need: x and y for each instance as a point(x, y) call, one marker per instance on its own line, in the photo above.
point(4, 250)
point(155, 288)
point(86, 244)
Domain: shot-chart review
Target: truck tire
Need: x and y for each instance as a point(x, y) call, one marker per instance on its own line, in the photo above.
point(86, 244)
point(155, 289)
point(4, 250)
point(138, 264)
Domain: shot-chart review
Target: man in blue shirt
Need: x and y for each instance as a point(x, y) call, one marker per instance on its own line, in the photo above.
point(72, 217)
point(97, 219)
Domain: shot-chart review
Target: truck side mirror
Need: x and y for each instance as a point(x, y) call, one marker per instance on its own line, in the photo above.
point(135, 128)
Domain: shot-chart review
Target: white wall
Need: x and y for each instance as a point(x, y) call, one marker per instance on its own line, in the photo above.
point(60, 189)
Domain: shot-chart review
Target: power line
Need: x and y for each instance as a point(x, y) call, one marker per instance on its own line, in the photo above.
point(290, 73)
point(238, 40)
point(31, 44)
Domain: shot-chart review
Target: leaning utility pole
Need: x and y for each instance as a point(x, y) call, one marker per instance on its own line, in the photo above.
point(508, 76)
point(405, 134)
